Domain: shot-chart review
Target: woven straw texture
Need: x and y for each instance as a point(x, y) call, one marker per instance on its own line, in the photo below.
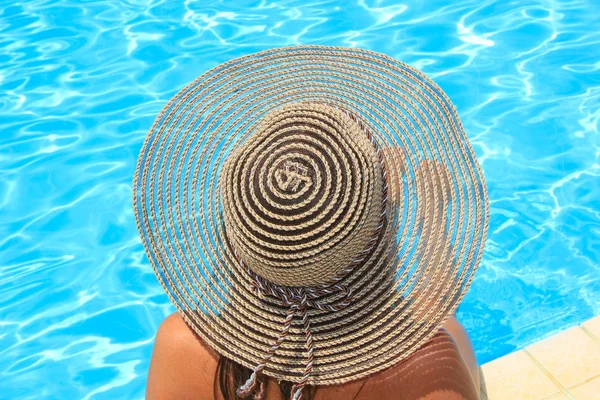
point(340, 170)
point(297, 211)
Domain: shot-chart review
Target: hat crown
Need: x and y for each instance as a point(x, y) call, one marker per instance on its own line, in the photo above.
point(303, 195)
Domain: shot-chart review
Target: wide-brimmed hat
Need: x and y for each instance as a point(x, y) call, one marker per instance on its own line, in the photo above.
point(314, 213)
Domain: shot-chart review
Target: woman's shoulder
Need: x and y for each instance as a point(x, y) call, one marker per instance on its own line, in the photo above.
point(182, 364)
point(177, 336)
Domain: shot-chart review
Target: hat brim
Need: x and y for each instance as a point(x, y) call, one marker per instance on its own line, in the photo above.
point(429, 249)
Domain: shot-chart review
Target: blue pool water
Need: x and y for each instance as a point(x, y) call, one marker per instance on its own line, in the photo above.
point(81, 83)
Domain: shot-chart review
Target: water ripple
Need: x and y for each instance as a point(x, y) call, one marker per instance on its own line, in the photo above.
point(81, 83)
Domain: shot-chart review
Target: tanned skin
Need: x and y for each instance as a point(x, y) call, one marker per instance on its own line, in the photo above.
point(184, 367)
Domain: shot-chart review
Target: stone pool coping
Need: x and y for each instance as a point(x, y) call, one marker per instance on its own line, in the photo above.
point(565, 366)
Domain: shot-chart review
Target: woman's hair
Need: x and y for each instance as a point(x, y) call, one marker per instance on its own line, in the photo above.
point(231, 375)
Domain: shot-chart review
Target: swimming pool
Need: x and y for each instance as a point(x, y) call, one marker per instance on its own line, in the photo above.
point(80, 86)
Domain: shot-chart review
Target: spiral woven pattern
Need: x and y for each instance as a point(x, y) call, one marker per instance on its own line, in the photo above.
point(303, 196)
point(262, 166)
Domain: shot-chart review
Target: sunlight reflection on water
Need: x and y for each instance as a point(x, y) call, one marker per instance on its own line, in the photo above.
point(81, 85)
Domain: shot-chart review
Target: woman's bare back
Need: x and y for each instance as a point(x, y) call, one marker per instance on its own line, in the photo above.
point(183, 367)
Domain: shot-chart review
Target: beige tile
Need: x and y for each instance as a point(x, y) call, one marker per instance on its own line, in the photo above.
point(588, 391)
point(482, 386)
point(560, 396)
point(535, 390)
point(497, 391)
point(516, 376)
point(503, 365)
point(570, 356)
point(593, 326)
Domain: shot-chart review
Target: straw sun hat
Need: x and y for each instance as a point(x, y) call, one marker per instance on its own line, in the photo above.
point(314, 213)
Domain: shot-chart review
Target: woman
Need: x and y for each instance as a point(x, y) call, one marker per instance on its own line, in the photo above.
point(316, 215)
